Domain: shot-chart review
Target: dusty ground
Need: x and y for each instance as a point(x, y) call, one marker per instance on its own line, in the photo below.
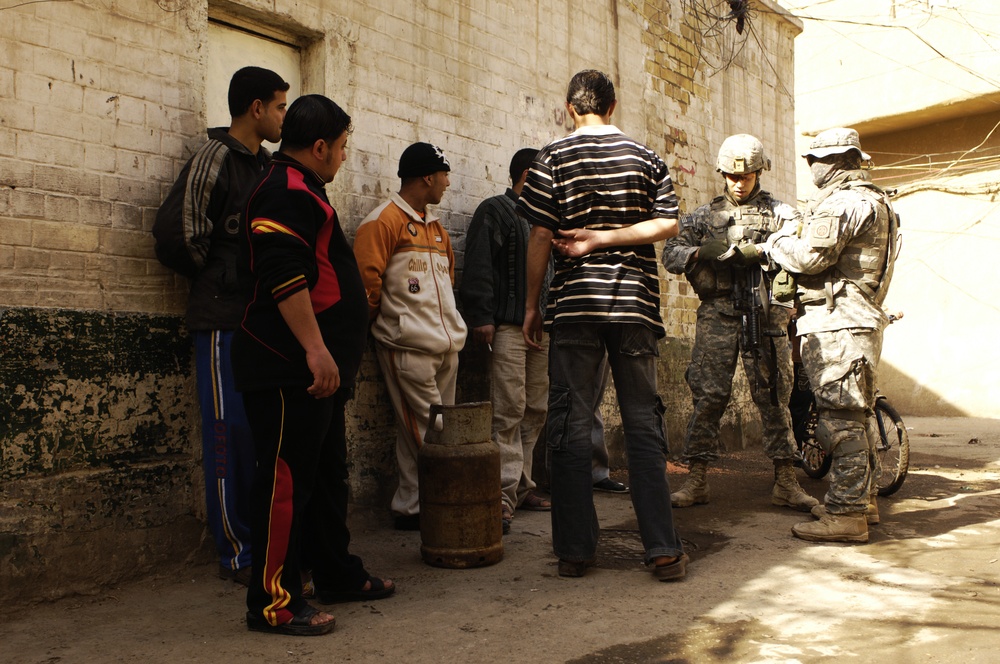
point(927, 587)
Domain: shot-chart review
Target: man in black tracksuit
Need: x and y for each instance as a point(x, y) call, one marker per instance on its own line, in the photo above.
point(295, 357)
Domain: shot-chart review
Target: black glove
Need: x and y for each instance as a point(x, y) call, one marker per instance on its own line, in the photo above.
point(712, 250)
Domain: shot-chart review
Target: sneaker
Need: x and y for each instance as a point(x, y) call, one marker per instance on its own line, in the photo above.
point(609, 485)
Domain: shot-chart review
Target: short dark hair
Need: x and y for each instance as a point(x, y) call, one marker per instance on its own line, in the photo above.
point(252, 83)
point(590, 92)
point(311, 118)
point(521, 161)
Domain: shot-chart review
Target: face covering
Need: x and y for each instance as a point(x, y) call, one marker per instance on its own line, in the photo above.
point(823, 169)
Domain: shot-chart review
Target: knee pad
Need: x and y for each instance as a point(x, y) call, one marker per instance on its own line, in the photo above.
point(840, 437)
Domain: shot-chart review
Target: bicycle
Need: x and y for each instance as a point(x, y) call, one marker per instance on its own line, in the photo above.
point(893, 448)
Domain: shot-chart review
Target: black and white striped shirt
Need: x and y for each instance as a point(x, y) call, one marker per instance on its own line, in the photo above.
point(600, 179)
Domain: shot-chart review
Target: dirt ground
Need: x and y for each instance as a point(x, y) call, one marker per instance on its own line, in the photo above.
point(926, 588)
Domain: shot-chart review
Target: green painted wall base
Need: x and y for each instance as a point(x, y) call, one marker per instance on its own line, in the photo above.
point(100, 452)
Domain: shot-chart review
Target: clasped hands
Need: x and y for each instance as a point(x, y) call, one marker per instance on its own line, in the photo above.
point(719, 250)
point(576, 242)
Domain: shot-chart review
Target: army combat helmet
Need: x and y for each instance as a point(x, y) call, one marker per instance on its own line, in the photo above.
point(740, 154)
point(836, 141)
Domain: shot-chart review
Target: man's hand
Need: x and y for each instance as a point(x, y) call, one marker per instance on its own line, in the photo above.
point(484, 334)
point(532, 328)
point(712, 250)
point(326, 373)
point(576, 242)
point(751, 254)
point(297, 311)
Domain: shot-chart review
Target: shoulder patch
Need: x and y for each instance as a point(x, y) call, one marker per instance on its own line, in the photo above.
point(822, 231)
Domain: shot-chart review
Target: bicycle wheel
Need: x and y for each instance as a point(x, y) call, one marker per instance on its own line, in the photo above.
point(893, 448)
point(815, 462)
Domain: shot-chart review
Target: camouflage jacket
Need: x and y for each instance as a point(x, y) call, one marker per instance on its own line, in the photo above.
point(722, 219)
point(839, 255)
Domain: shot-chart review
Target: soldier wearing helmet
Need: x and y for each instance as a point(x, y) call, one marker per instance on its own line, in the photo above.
point(843, 254)
point(744, 214)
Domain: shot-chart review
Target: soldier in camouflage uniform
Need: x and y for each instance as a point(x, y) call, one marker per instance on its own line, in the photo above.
point(843, 255)
point(744, 214)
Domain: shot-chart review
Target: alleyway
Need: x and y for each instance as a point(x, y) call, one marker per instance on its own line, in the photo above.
point(927, 587)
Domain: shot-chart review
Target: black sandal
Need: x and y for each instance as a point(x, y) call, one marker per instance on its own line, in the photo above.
point(299, 625)
point(378, 590)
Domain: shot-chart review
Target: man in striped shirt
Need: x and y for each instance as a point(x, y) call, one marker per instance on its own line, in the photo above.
point(602, 200)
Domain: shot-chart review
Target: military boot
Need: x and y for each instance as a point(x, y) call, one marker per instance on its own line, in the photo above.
point(695, 489)
point(786, 491)
point(871, 514)
point(834, 528)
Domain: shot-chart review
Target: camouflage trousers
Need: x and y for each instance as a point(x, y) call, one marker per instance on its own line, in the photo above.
point(842, 367)
point(717, 344)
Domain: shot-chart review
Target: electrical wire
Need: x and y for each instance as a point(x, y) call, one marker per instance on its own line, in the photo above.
point(876, 74)
point(763, 52)
point(908, 29)
point(958, 287)
point(31, 2)
point(955, 162)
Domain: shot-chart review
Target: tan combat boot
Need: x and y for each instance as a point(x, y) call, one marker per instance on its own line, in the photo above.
point(834, 528)
point(871, 514)
point(695, 489)
point(787, 492)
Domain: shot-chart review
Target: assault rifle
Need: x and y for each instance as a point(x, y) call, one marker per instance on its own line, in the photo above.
point(751, 297)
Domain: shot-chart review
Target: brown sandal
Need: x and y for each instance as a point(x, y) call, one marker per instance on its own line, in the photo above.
point(535, 503)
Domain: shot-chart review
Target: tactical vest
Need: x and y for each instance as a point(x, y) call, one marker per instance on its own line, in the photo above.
point(867, 260)
point(753, 222)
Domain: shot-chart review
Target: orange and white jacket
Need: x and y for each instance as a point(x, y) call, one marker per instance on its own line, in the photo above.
point(408, 269)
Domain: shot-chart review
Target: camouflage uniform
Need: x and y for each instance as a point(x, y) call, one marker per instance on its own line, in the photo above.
point(739, 217)
point(718, 337)
point(841, 255)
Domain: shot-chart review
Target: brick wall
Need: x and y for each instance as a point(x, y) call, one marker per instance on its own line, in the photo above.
point(103, 103)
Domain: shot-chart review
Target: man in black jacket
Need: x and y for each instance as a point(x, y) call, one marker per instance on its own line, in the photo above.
point(493, 292)
point(196, 234)
point(295, 356)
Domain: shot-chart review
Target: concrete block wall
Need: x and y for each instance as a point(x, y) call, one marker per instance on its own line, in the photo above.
point(104, 103)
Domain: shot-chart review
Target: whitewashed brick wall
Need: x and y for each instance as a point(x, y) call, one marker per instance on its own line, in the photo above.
point(101, 107)
point(102, 102)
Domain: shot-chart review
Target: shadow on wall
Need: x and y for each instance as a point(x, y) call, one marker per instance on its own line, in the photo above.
point(912, 398)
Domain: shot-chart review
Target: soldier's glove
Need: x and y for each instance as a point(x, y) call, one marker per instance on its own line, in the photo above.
point(750, 254)
point(783, 286)
point(712, 250)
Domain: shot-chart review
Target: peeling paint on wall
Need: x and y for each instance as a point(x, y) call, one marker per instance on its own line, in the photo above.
point(99, 437)
point(85, 389)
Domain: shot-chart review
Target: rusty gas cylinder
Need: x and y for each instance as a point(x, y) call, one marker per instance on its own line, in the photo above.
point(458, 469)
